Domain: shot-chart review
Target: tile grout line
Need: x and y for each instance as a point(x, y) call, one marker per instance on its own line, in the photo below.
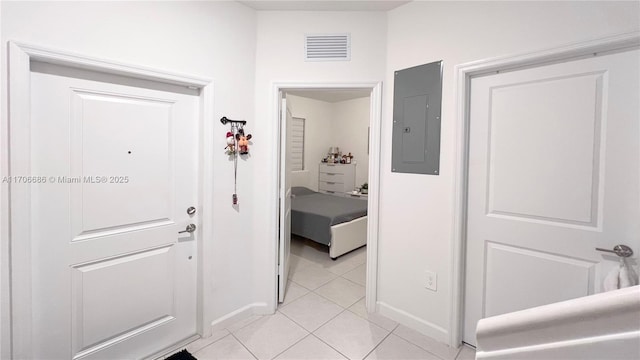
point(475, 349)
point(458, 352)
point(377, 345)
point(344, 308)
point(324, 297)
point(294, 344)
point(413, 343)
point(321, 285)
point(351, 281)
point(247, 324)
point(243, 345)
point(321, 325)
point(200, 348)
point(367, 320)
point(302, 286)
point(329, 345)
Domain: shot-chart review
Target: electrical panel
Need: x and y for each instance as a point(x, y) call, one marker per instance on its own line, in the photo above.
point(417, 103)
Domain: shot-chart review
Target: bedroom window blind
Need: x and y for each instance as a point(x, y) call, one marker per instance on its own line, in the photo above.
point(297, 144)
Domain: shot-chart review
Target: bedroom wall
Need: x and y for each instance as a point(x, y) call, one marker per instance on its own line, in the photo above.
point(350, 123)
point(318, 135)
point(416, 219)
point(343, 124)
point(210, 39)
point(280, 58)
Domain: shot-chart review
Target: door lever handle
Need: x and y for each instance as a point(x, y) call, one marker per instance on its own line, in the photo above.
point(620, 250)
point(189, 229)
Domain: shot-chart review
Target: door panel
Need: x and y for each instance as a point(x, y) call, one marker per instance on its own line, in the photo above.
point(110, 278)
point(554, 173)
point(147, 279)
point(563, 126)
point(511, 288)
point(285, 200)
point(105, 140)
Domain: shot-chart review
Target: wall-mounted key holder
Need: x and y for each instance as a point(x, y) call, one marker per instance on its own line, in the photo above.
point(237, 144)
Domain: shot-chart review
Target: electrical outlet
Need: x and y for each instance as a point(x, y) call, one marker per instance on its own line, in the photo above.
point(431, 280)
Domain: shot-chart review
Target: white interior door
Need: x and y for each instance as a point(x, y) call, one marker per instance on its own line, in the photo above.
point(553, 174)
point(112, 278)
point(285, 199)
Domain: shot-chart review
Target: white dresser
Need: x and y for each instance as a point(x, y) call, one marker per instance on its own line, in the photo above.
point(336, 179)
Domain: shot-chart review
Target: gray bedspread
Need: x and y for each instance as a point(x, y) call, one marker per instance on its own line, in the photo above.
point(313, 213)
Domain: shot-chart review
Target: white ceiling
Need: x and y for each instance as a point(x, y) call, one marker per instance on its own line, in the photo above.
point(331, 95)
point(331, 5)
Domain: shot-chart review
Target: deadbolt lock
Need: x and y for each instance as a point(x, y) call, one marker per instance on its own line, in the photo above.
point(191, 210)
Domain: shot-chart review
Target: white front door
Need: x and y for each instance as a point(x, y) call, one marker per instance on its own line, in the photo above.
point(112, 278)
point(285, 199)
point(554, 172)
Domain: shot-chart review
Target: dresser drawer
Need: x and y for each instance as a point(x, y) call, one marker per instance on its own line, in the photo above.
point(331, 177)
point(331, 186)
point(332, 168)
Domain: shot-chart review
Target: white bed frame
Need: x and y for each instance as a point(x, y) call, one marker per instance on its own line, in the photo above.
point(348, 236)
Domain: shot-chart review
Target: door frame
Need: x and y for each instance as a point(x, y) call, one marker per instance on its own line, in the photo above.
point(464, 73)
point(18, 163)
point(375, 123)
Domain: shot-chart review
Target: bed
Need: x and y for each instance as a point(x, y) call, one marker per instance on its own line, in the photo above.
point(338, 222)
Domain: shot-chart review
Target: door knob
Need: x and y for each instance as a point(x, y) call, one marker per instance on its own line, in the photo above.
point(191, 210)
point(189, 229)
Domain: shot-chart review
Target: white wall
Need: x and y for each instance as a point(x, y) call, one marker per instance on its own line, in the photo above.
point(317, 137)
point(279, 58)
point(343, 124)
point(350, 123)
point(416, 210)
point(246, 52)
point(209, 39)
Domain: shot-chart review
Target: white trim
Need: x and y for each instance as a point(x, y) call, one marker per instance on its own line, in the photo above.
point(20, 56)
point(205, 247)
point(464, 73)
point(238, 315)
point(373, 228)
point(375, 122)
point(598, 347)
point(558, 330)
point(424, 327)
point(80, 61)
point(5, 316)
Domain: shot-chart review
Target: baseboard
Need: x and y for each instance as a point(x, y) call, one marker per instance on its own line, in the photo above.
point(613, 346)
point(406, 319)
point(262, 309)
point(240, 314)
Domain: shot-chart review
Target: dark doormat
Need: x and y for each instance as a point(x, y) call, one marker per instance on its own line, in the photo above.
point(181, 355)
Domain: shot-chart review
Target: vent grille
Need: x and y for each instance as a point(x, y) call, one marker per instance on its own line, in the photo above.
point(334, 47)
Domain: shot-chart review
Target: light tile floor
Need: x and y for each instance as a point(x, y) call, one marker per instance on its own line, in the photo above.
point(323, 317)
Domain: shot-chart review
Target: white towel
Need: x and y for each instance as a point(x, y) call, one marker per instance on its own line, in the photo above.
point(620, 277)
point(628, 277)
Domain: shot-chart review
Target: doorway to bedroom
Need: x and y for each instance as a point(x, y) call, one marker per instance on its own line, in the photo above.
point(327, 211)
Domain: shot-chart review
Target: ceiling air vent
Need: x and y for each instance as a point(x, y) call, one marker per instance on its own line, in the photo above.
point(327, 47)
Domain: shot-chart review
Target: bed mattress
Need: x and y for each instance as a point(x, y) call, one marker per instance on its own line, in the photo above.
point(313, 214)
